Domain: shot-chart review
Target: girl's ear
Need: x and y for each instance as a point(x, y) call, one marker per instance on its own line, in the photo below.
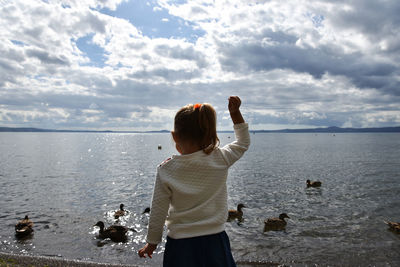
point(177, 145)
point(174, 136)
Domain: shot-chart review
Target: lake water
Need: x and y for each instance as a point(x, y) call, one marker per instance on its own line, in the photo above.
point(66, 182)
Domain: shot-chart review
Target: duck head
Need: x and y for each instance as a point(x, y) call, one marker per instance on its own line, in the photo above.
point(240, 206)
point(100, 224)
point(282, 216)
point(121, 207)
point(146, 210)
point(308, 182)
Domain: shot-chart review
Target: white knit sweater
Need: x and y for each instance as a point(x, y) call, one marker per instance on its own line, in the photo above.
point(190, 194)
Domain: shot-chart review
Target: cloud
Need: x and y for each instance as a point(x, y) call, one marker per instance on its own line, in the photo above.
point(46, 58)
point(86, 64)
point(363, 71)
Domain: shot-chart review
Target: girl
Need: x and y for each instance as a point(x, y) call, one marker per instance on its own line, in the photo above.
point(190, 194)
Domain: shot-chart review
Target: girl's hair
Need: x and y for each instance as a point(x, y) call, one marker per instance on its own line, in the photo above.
point(197, 124)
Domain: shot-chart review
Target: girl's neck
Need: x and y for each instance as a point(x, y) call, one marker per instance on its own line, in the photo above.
point(185, 149)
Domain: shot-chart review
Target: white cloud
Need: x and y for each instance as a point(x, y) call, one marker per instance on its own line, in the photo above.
point(302, 63)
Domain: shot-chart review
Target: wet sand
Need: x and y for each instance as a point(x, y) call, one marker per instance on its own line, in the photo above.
point(13, 260)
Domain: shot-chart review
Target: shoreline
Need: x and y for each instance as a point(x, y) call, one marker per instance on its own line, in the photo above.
point(16, 260)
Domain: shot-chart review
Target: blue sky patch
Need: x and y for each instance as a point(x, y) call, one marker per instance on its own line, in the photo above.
point(19, 43)
point(94, 52)
point(317, 20)
point(155, 22)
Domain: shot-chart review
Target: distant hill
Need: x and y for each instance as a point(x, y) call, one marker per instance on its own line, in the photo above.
point(12, 129)
point(332, 129)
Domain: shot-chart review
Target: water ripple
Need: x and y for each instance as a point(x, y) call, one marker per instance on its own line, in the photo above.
point(68, 182)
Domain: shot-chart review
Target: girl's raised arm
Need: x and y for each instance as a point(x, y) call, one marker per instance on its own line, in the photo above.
point(233, 106)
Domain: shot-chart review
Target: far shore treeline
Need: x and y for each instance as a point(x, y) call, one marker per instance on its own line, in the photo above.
point(332, 129)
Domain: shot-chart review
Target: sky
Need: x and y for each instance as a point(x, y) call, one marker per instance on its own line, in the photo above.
point(131, 64)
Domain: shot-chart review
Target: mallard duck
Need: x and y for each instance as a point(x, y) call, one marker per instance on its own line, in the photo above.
point(24, 227)
point(275, 224)
point(116, 233)
point(146, 210)
point(313, 184)
point(120, 212)
point(236, 214)
point(394, 226)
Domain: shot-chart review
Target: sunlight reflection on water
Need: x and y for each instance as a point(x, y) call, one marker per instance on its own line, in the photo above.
point(67, 182)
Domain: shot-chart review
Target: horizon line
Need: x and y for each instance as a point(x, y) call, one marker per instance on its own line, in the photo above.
point(316, 130)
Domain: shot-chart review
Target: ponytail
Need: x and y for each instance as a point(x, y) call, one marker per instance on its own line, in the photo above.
point(208, 126)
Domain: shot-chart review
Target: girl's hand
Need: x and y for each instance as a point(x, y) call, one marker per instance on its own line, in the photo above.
point(147, 249)
point(234, 104)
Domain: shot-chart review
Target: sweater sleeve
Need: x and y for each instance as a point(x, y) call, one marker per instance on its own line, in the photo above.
point(159, 211)
point(235, 150)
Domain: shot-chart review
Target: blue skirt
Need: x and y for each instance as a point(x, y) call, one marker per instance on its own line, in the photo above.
point(200, 251)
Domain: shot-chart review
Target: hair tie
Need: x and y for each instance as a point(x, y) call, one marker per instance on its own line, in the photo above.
point(197, 106)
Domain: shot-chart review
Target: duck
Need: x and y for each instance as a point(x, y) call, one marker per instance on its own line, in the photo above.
point(120, 212)
point(24, 227)
point(146, 210)
point(116, 233)
point(236, 214)
point(394, 226)
point(313, 184)
point(275, 224)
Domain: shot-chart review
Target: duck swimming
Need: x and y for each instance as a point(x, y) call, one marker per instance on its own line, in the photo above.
point(146, 210)
point(313, 184)
point(120, 212)
point(236, 214)
point(276, 224)
point(116, 233)
point(394, 226)
point(24, 227)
